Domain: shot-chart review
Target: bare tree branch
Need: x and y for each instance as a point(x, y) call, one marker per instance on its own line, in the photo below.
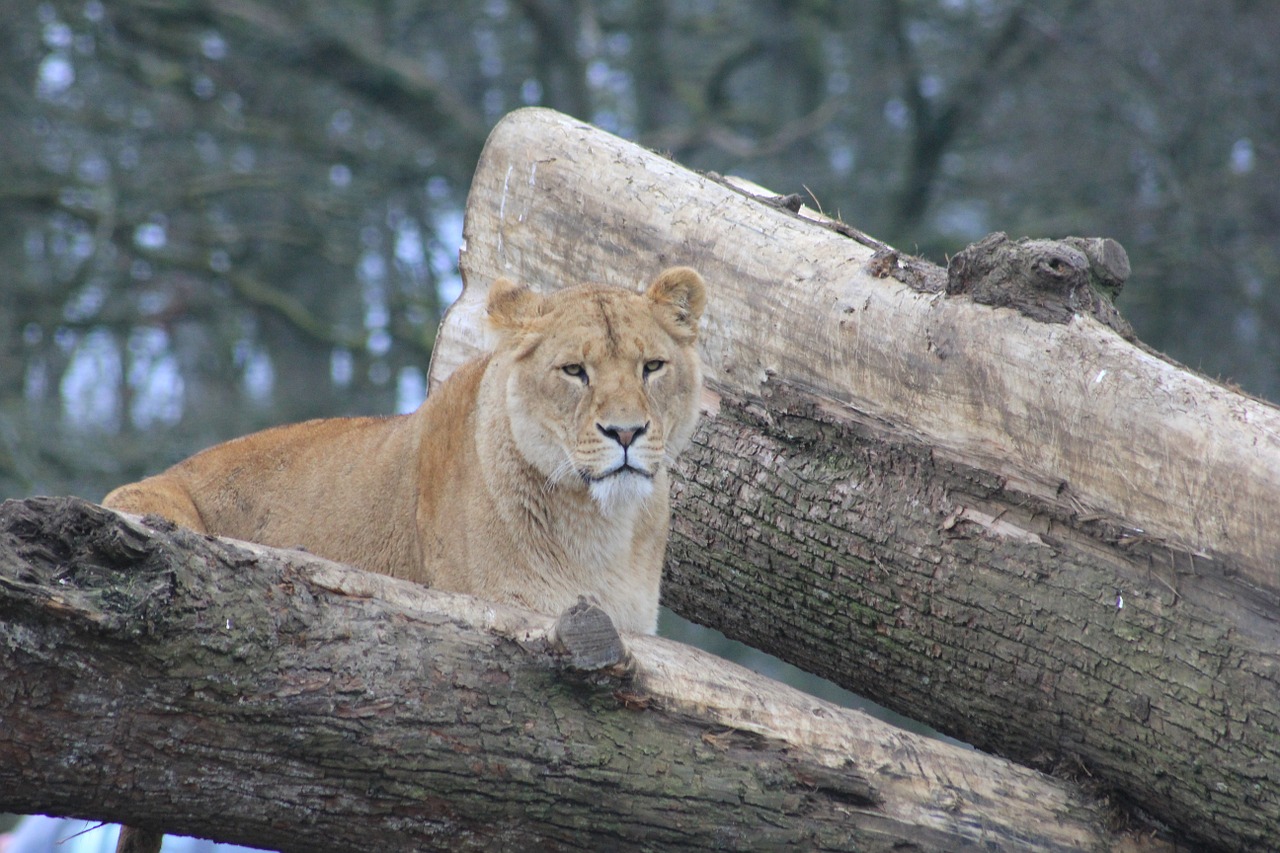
point(1017, 46)
point(273, 698)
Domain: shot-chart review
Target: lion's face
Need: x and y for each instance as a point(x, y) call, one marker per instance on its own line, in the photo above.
point(603, 386)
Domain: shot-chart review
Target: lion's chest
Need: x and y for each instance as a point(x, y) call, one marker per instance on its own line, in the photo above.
point(604, 558)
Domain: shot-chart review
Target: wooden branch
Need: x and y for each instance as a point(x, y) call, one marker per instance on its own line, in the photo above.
point(272, 698)
point(1037, 536)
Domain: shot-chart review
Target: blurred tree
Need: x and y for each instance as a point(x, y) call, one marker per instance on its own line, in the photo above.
point(222, 214)
point(226, 215)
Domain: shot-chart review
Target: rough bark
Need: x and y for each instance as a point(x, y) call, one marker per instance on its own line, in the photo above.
point(1037, 536)
point(273, 698)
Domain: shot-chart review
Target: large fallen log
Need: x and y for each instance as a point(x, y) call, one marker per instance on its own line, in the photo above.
point(273, 698)
point(1012, 523)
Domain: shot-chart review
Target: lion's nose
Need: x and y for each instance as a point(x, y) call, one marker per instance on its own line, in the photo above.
point(623, 435)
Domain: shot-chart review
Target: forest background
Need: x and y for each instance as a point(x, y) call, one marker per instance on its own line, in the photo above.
point(220, 215)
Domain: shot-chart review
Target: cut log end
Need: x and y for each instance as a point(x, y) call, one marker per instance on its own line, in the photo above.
point(586, 636)
point(1108, 262)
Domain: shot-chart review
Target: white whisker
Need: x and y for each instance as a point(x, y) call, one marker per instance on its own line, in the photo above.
point(564, 469)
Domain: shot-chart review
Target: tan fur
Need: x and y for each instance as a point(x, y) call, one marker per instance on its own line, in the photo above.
point(499, 485)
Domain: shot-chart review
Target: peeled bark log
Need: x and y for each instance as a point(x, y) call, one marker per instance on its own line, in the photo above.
point(203, 686)
point(1016, 526)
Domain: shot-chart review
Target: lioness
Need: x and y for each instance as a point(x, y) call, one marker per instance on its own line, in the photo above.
point(534, 475)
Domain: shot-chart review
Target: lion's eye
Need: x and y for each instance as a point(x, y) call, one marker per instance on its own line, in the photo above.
point(575, 370)
point(653, 366)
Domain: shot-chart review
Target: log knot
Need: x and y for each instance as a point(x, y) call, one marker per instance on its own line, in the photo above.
point(1047, 280)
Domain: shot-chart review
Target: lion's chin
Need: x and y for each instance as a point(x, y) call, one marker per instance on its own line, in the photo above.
point(621, 489)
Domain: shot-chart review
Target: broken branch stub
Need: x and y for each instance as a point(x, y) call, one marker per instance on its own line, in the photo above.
point(1047, 280)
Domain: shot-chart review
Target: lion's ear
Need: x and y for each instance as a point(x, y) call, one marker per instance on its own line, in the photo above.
point(511, 305)
point(682, 294)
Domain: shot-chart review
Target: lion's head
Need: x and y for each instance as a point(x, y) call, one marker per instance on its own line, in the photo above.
point(604, 383)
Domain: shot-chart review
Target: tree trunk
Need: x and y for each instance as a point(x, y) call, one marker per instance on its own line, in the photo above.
point(209, 687)
point(1011, 523)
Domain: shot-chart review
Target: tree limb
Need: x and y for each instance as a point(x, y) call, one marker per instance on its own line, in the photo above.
point(269, 697)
